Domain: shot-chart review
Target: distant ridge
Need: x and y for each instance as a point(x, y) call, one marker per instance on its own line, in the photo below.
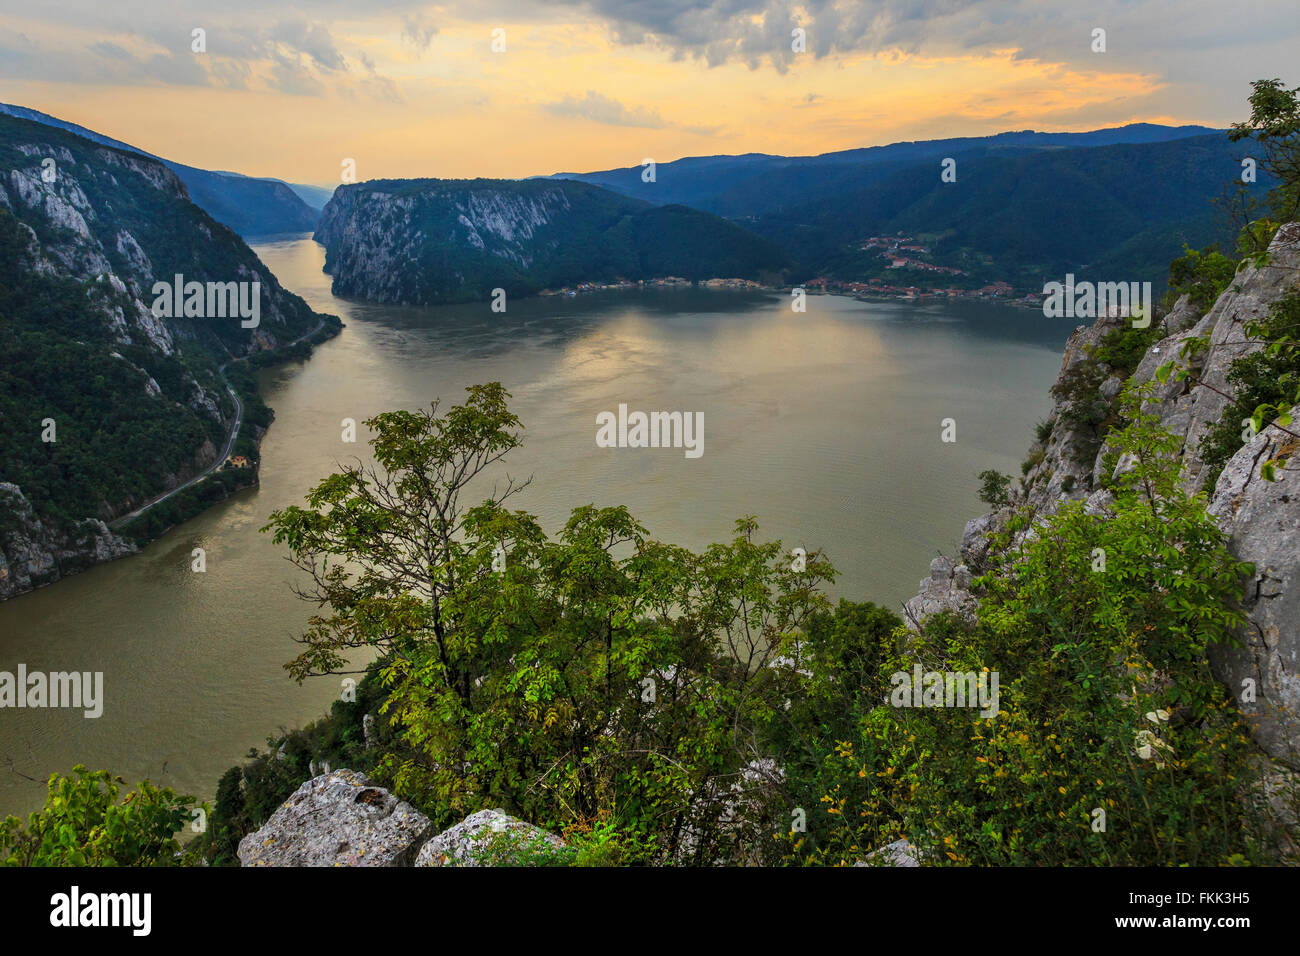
point(246, 204)
point(710, 182)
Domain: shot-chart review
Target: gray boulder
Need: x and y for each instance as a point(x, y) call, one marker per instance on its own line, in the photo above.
point(899, 853)
point(946, 589)
point(338, 819)
point(488, 838)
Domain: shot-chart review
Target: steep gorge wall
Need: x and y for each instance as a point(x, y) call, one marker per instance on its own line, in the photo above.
point(138, 400)
point(1261, 518)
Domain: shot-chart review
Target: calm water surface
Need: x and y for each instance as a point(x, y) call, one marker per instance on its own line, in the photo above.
point(826, 425)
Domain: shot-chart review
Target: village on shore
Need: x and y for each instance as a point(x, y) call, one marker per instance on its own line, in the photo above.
point(902, 253)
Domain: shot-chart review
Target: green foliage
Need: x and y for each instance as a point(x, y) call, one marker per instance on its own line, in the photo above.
point(1123, 348)
point(1106, 699)
point(1274, 126)
point(83, 824)
point(1264, 385)
point(626, 674)
point(510, 848)
point(1034, 460)
point(993, 488)
point(1201, 275)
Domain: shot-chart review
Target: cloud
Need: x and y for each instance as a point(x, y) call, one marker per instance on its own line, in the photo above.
point(418, 30)
point(311, 40)
point(602, 109)
point(599, 108)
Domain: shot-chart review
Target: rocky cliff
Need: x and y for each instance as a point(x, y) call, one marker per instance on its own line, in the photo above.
point(425, 241)
point(108, 401)
point(1261, 518)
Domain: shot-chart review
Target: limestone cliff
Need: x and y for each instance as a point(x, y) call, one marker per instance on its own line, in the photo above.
point(107, 404)
point(426, 241)
point(1261, 518)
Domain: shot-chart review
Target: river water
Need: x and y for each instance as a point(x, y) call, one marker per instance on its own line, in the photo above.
point(826, 425)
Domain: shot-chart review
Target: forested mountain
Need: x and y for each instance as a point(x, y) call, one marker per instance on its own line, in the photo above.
point(423, 241)
point(250, 206)
point(1023, 206)
point(105, 403)
point(1030, 216)
point(755, 183)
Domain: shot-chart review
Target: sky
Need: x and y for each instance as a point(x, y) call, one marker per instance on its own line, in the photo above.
point(511, 89)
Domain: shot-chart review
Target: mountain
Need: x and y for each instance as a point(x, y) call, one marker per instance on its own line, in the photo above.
point(1025, 207)
point(110, 397)
point(422, 241)
point(1122, 211)
point(755, 183)
point(251, 207)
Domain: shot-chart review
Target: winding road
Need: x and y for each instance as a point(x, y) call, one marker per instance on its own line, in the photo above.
point(230, 440)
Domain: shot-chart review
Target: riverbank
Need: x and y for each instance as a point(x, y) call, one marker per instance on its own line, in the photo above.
point(253, 418)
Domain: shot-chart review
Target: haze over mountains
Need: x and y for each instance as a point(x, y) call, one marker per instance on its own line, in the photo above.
point(1025, 207)
point(248, 205)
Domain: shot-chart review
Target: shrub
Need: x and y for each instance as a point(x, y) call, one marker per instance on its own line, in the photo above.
point(1113, 743)
point(83, 824)
point(993, 488)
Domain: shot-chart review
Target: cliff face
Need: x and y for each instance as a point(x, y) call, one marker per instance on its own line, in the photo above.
point(1261, 518)
point(373, 233)
point(107, 404)
point(425, 241)
point(251, 207)
point(33, 552)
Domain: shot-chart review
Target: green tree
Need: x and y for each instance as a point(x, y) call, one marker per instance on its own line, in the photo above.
point(993, 488)
point(1274, 125)
point(595, 676)
point(1113, 743)
point(83, 824)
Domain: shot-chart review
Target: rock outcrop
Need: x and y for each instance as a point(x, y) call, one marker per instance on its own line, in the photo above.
point(91, 229)
point(486, 838)
point(33, 552)
point(896, 854)
point(1261, 518)
point(338, 819)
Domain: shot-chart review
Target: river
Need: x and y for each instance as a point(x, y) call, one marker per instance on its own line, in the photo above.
point(825, 424)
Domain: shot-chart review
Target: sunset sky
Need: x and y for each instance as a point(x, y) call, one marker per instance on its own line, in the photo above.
point(413, 89)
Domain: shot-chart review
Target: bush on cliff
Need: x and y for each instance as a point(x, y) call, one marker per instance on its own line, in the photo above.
point(1112, 744)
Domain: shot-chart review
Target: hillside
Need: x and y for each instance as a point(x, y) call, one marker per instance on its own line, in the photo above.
point(756, 183)
point(1259, 514)
point(425, 241)
point(250, 206)
point(1032, 217)
point(1128, 199)
point(137, 401)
